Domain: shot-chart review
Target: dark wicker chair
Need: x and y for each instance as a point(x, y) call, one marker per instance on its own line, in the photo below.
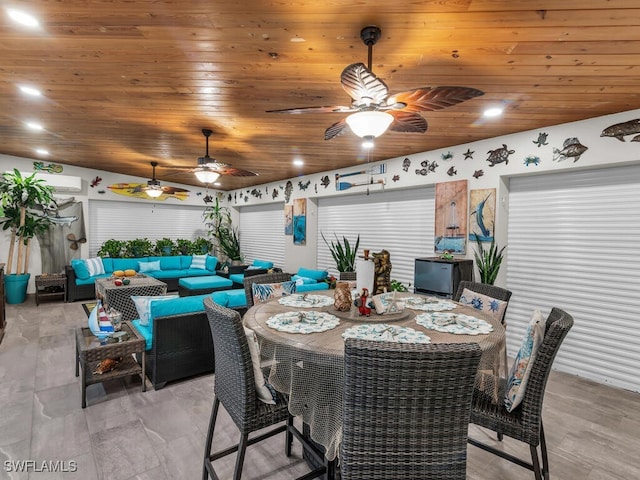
point(234, 387)
point(264, 278)
point(406, 410)
point(524, 423)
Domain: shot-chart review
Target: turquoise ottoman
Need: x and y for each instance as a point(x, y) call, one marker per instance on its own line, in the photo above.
point(201, 285)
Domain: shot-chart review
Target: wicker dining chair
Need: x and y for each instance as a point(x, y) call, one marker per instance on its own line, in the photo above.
point(262, 278)
point(524, 423)
point(234, 387)
point(485, 289)
point(406, 410)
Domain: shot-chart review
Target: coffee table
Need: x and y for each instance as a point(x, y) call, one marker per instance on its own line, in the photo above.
point(119, 296)
point(89, 352)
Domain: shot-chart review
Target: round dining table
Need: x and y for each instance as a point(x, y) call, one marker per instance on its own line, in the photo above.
point(309, 367)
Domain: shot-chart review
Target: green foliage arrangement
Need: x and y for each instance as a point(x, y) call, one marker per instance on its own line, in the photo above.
point(397, 286)
point(488, 261)
point(165, 247)
point(218, 219)
point(112, 248)
point(139, 247)
point(342, 253)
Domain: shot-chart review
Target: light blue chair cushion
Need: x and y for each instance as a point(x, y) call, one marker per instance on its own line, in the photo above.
point(166, 274)
point(315, 274)
point(237, 278)
point(262, 263)
point(312, 287)
point(235, 298)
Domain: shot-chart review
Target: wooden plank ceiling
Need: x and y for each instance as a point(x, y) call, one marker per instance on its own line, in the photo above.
point(126, 83)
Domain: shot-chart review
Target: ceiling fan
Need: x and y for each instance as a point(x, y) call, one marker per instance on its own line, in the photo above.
point(154, 189)
point(209, 169)
point(373, 110)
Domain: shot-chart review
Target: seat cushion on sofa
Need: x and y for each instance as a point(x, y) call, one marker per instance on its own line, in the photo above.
point(91, 280)
point(160, 274)
point(311, 273)
point(261, 264)
point(237, 278)
point(235, 298)
point(185, 261)
point(207, 281)
point(146, 331)
point(312, 287)
point(125, 264)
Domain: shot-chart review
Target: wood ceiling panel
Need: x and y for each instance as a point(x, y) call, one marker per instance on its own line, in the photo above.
point(127, 83)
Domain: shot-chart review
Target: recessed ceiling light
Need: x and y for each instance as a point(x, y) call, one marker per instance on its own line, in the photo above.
point(492, 112)
point(34, 92)
point(297, 39)
point(298, 162)
point(23, 18)
point(42, 151)
point(34, 126)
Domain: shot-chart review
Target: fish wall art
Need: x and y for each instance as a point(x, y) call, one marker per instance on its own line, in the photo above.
point(482, 212)
point(50, 167)
point(621, 130)
point(571, 148)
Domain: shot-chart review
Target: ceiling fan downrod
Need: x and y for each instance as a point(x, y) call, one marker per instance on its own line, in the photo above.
point(370, 36)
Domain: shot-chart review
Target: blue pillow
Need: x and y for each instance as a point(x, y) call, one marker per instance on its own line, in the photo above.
point(149, 266)
point(262, 264)
point(211, 263)
point(315, 274)
point(80, 268)
point(303, 280)
point(170, 263)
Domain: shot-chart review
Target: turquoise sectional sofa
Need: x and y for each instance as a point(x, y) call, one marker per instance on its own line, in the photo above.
point(81, 284)
point(178, 337)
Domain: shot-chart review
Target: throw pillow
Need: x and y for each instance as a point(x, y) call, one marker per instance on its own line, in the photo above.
point(143, 305)
point(149, 266)
point(80, 268)
point(199, 262)
point(265, 394)
point(521, 368)
point(484, 303)
point(263, 292)
point(95, 266)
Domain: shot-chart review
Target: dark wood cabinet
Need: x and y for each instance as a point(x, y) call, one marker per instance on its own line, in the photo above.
point(437, 276)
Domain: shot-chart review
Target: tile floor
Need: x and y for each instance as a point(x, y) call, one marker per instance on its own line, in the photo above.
point(593, 430)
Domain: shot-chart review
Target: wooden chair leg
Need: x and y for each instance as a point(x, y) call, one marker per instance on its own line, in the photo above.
point(207, 448)
point(242, 448)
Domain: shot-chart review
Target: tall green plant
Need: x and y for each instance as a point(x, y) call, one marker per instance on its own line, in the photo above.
point(342, 253)
point(218, 220)
point(488, 261)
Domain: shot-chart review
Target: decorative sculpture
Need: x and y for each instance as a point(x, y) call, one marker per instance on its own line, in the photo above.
point(382, 280)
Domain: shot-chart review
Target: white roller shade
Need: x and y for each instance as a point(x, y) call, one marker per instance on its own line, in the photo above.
point(401, 222)
point(131, 220)
point(574, 242)
point(262, 233)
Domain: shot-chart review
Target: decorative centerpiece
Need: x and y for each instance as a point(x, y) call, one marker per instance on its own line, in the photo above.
point(342, 297)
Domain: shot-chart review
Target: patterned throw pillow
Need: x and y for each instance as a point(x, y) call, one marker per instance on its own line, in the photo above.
point(263, 292)
point(484, 303)
point(264, 390)
point(199, 262)
point(521, 368)
point(95, 266)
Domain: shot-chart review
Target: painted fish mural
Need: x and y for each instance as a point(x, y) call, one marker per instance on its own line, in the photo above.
point(395, 178)
point(324, 181)
point(51, 167)
point(571, 148)
point(499, 155)
point(406, 164)
point(452, 171)
point(478, 173)
point(288, 189)
point(621, 130)
point(484, 231)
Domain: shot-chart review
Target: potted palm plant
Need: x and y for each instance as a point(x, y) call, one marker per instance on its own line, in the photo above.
point(344, 256)
point(488, 261)
point(19, 197)
point(227, 240)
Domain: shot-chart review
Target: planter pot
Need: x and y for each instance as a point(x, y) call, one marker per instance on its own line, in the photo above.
point(15, 287)
point(166, 251)
point(348, 276)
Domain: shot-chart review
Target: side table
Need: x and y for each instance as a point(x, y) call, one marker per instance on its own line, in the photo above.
point(51, 285)
point(89, 352)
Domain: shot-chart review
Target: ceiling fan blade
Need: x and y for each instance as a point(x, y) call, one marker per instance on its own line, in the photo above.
point(336, 109)
point(335, 130)
point(429, 99)
point(224, 169)
point(407, 122)
point(360, 83)
point(171, 190)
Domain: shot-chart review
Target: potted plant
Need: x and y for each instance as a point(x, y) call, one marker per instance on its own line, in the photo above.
point(164, 246)
point(343, 255)
point(227, 241)
point(19, 196)
point(112, 248)
point(184, 246)
point(488, 261)
point(200, 246)
point(139, 247)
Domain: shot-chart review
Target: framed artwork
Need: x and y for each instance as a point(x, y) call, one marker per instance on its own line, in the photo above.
point(300, 221)
point(288, 219)
point(482, 214)
point(451, 217)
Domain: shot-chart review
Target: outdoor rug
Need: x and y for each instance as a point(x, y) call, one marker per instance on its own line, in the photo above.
point(88, 307)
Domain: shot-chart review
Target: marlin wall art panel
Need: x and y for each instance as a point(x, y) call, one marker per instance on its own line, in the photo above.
point(300, 221)
point(482, 214)
point(451, 217)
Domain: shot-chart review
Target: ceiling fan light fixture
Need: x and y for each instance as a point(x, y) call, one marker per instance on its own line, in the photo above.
point(206, 176)
point(369, 123)
point(367, 142)
point(154, 192)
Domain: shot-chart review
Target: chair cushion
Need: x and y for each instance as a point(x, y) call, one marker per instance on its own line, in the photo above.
point(519, 372)
point(263, 292)
point(312, 287)
point(303, 280)
point(237, 278)
point(206, 281)
point(95, 266)
point(262, 263)
point(484, 303)
point(199, 262)
point(149, 266)
point(211, 263)
point(80, 269)
point(143, 305)
point(315, 274)
point(125, 264)
point(264, 394)
point(235, 298)
point(170, 263)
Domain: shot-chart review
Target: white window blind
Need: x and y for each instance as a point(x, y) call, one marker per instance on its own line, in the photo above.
point(131, 220)
point(574, 243)
point(262, 233)
point(400, 221)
